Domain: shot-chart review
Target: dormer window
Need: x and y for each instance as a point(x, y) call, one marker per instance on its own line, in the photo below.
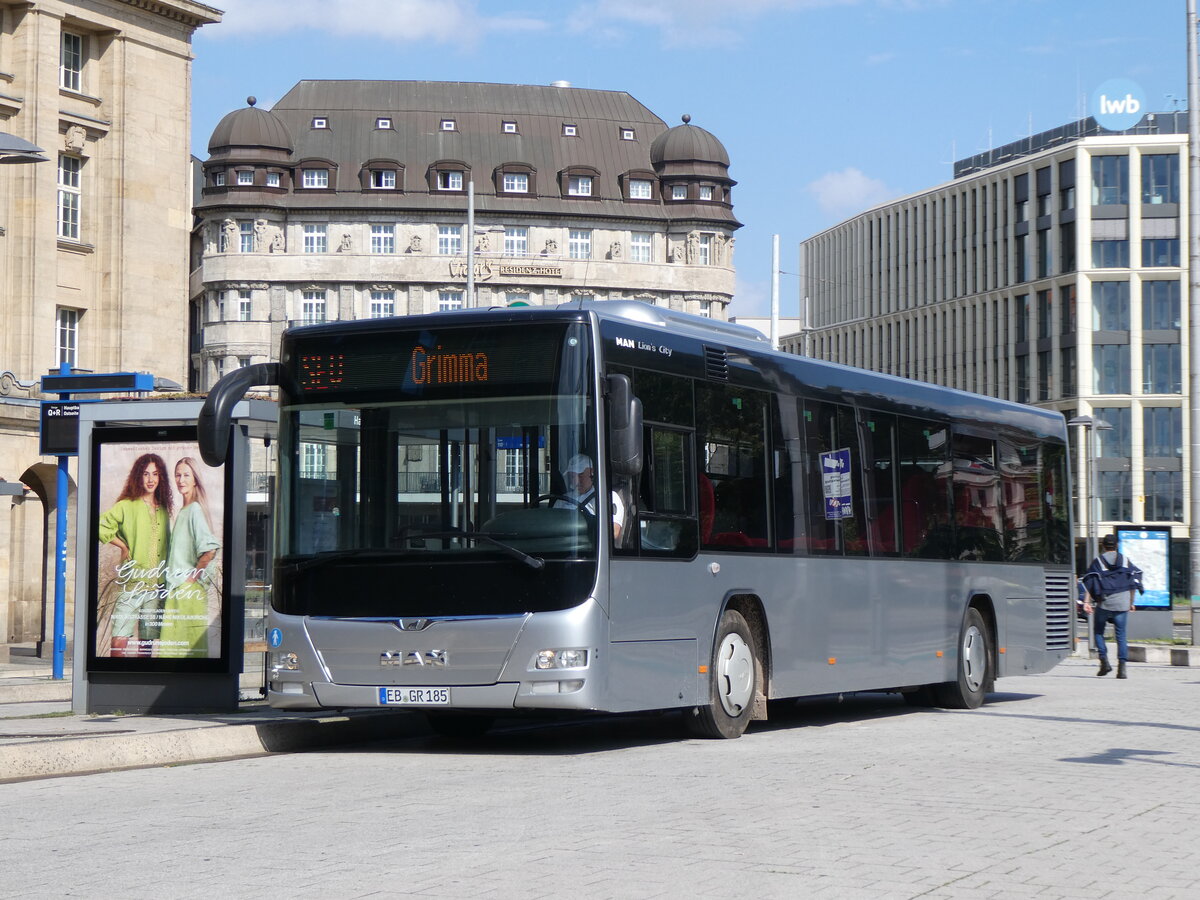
point(383, 124)
point(679, 192)
point(245, 178)
point(320, 122)
point(627, 134)
point(579, 185)
point(641, 189)
point(449, 125)
point(570, 130)
point(218, 179)
point(315, 178)
point(450, 181)
point(383, 179)
point(516, 183)
point(273, 179)
point(508, 127)
point(706, 192)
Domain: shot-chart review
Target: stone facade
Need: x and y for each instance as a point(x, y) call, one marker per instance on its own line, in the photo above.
point(93, 243)
point(350, 200)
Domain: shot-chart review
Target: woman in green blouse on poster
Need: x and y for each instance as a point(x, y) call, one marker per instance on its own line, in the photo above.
point(138, 525)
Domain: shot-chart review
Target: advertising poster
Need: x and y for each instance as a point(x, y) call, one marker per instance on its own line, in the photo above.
point(158, 568)
point(835, 482)
point(1148, 549)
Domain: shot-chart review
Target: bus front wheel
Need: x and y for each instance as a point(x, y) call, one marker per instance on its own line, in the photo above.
point(974, 666)
point(734, 677)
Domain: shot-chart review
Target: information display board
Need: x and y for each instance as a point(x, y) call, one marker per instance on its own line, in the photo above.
point(1149, 550)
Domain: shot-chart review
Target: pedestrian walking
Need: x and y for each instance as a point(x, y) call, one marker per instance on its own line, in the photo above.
point(1110, 581)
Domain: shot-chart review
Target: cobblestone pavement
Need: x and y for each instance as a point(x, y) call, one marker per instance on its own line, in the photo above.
point(1065, 785)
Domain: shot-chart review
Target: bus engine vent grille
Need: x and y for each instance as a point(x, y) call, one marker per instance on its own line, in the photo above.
point(716, 363)
point(1058, 610)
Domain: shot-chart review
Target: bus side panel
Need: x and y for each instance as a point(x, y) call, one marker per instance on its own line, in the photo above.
point(652, 675)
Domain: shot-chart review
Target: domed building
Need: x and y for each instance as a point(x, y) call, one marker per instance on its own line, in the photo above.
point(351, 199)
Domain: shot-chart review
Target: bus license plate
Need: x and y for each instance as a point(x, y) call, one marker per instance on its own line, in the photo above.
point(394, 696)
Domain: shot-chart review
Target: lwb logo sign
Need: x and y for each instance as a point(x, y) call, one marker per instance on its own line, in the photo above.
point(1117, 104)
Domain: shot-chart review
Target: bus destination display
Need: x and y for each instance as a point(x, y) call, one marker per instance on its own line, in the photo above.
point(424, 363)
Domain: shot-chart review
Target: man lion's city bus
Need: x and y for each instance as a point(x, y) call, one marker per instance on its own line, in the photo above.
point(763, 525)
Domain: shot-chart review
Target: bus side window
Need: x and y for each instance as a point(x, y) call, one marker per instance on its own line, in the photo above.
point(732, 430)
point(923, 474)
point(977, 499)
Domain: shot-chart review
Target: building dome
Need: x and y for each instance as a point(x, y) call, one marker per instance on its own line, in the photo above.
point(687, 143)
point(251, 127)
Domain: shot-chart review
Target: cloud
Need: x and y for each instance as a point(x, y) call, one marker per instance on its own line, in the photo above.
point(848, 192)
point(683, 22)
point(440, 21)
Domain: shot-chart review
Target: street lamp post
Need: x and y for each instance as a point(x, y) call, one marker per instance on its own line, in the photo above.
point(1089, 426)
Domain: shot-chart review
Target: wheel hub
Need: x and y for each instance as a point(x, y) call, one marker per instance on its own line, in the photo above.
point(735, 674)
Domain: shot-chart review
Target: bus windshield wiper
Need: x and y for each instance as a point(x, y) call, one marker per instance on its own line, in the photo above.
point(326, 556)
point(534, 562)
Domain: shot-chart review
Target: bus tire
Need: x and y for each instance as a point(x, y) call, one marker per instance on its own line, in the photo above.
point(734, 678)
point(974, 666)
point(460, 726)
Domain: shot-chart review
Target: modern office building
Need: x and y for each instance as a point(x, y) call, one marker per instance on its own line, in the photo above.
point(1048, 271)
point(93, 241)
point(351, 199)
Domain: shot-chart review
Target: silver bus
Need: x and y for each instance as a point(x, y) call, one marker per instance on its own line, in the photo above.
point(759, 525)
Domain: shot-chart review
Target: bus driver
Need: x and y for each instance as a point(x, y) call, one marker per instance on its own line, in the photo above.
point(581, 492)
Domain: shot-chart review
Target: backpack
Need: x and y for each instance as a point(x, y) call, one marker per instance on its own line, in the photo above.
point(1111, 578)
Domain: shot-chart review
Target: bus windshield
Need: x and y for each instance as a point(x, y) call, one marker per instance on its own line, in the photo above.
point(439, 447)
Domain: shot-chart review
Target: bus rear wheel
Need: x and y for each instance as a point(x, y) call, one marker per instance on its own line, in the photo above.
point(974, 666)
point(734, 678)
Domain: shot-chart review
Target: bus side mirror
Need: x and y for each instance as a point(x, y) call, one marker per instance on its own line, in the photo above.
point(624, 427)
point(216, 416)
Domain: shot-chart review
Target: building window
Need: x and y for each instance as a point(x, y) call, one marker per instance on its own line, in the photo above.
point(273, 179)
point(1116, 496)
point(516, 298)
point(706, 309)
point(245, 237)
point(570, 130)
point(1162, 432)
point(450, 181)
point(704, 250)
point(1110, 180)
point(516, 183)
point(1110, 306)
point(1110, 254)
point(449, 240)
point(1069, 318)
point(70, 196)
point(243, 362)
point(508, 127)
point(218, 179)
point(1161, 372)
point(219, 364)
point(1115, 442)
point(312, 463)
point(449, 125)
point(315, 239)
point(67, 336)
point(383, 123)
point(1069, 372)
point(679, 192)
point(579, 243)
point(1160, 305)
point(315, 178)
point(1110, 368)
point(516, 241)
point(1045, 303)
point(245, 306)
point(579, 185)
point(1022, 330)
point(1160, 252)
point(245, 178)
point(641, 245)
point(641, 189)
point(1160, 178)
point(1045, 265)
point(1066, 246)
point(627, 134)
point(383, 238)
point(383, 179)
point(70, 62)
point(320, 122)
point(312, 310)
point(220, 309)
point(449, 300)
point(383, 304)
point(706, 192)
point(1164, 496)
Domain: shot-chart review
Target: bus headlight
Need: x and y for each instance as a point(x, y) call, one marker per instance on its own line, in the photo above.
point(561, 659)
point(289, 662)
